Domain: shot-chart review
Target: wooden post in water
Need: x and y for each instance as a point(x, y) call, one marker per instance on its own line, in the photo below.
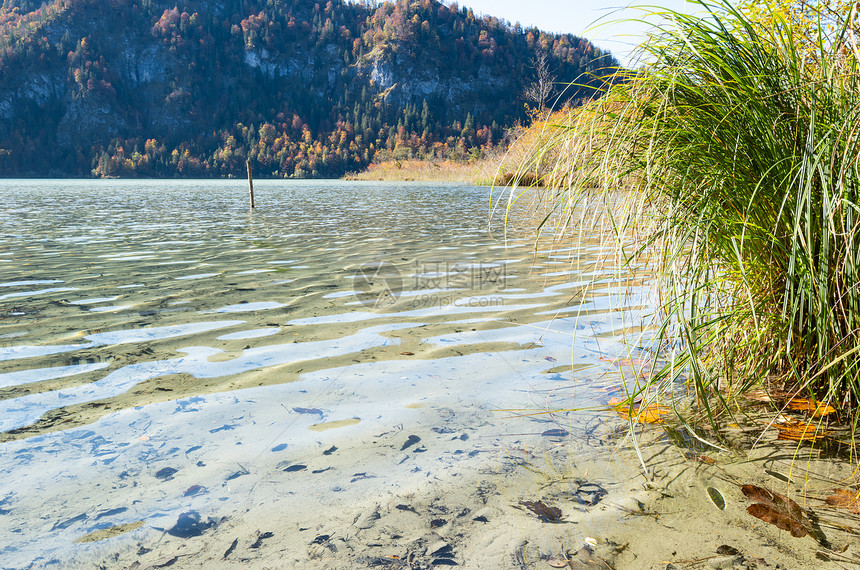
point(250, 181)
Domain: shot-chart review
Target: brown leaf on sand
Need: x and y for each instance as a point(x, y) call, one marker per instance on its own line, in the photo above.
point(811, 407)
point(777, 510)
point(543, 512)
point(800, 431)
point(845, 499)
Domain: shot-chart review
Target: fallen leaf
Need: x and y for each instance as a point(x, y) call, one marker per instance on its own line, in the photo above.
point(558, 563)
point(811, 407)
point(189, 525)
point(700, 458)
point(650, 414)
point(407, 353)
point(777, 510)
point(794, 430)
point(815, 409)
point(231, 548)
point(845, 499)
point(716, 498)
point(260, 538)
point(165, 473)
point(194, 490)
point(631, 362)
point(543, 511)
point(410, 441)
point(555, 433)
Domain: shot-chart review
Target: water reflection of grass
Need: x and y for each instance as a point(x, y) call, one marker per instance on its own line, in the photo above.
point(739, 142)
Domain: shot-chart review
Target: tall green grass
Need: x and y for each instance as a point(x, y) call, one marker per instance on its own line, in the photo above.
point(738, 142)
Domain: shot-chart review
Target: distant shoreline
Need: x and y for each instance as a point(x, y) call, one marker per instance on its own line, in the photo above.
point(419, 170)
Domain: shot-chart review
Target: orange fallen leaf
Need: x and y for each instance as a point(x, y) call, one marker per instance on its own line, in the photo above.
point(799, 431)
point(407, 353)
point(811, 407)
point(815, 409)
point(631, 362)
point(625, 361)
point(701, 458)
point(650, 414)
point(845, 499)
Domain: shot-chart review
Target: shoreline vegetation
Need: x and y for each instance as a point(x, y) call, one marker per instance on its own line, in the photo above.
point(500, 167)
point(737, 143)
point(420, 170)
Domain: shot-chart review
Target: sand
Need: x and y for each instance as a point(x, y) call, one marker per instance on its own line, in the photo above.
point(424, 507)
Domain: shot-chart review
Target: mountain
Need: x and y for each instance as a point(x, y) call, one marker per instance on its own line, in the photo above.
point(303, 88)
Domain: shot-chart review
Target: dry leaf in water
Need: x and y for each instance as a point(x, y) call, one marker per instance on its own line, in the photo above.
point(693, 456)
point(777, 510)
point(631, 362)
point(716, 498)
point(650, 414)
point(543, 511)
point(811, 407)
point(800, 431)
point(845, 499)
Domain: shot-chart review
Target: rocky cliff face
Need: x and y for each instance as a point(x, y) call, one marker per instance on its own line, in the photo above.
point(80, 79)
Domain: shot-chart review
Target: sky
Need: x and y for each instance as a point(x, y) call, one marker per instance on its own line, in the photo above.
point(578, 17)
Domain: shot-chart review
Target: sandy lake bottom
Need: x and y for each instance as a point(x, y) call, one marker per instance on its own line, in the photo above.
point(354, 375)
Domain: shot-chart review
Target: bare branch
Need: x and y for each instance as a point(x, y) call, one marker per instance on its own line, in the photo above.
point(543, 87)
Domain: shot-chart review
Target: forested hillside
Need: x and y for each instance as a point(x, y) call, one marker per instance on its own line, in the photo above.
point(305, 88)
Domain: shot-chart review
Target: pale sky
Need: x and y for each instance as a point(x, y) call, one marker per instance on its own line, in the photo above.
point(578, 17)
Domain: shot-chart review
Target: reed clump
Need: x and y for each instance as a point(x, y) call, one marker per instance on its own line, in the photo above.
point(738, 142)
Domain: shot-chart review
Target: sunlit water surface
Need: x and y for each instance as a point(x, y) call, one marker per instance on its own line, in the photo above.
point(163, 349)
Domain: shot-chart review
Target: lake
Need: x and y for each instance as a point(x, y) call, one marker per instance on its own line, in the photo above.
point(172, 364)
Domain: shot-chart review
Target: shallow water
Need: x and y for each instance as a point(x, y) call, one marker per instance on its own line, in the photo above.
point(157, 337)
